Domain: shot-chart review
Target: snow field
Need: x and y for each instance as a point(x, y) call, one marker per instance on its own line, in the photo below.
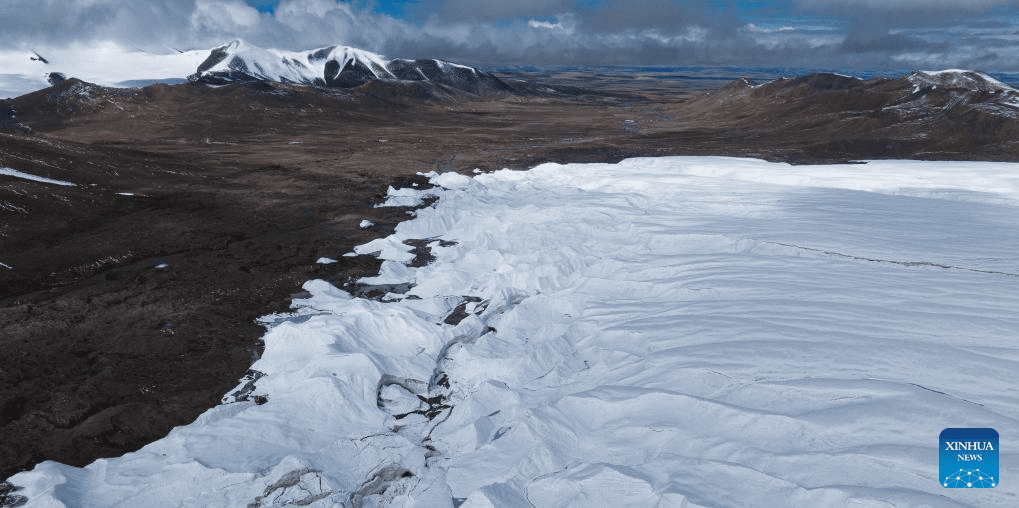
point(105, 64)
point(660, 332)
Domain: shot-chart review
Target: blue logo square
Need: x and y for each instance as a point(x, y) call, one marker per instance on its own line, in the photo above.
point(969, 458)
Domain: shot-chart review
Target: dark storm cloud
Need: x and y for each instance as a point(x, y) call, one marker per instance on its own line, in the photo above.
point(887, 43)
point(922, 33)
point(621, 15)
point(884, 16)
point(812, 33)
point(952, 6)
point(870, 33)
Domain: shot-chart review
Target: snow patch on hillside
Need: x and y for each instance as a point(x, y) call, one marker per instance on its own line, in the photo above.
point(27, 176)
point(975, 81)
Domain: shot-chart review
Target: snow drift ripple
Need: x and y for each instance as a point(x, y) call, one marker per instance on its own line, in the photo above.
point(647, 333)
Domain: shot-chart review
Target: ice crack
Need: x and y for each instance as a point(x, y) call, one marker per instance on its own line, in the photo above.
point(288, 495)
point(900, 263)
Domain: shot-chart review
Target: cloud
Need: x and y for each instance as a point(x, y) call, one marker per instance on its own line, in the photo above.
point(905, 5)
point(51, 21)
point(623, 15)
point(544, 24)
point(857, 43)
point(488, 11)
point(223, 16)
point(754, 28)
point(315, 8)
point(810, 33)
point(42, 23)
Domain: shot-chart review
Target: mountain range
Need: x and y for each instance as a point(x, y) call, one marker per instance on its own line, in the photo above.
point(943, 114)
point(335, 66)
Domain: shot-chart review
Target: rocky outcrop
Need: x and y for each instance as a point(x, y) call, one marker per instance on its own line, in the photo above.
point(9, 120)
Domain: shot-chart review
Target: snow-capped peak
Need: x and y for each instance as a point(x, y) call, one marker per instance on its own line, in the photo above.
point(238, 60)
point(341, 66)
point(958, 78)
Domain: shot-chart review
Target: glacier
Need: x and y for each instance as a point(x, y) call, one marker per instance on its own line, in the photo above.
point(678, 331)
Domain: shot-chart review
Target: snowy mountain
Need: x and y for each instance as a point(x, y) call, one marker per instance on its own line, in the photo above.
point(341, 66)
point(974, 81)
point(334, 66)
point(963, 85)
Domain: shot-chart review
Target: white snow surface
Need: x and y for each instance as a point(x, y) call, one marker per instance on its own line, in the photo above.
point(677, 331)
point(105, 64)
point(27, 176)
point(450, 180)
point(402, 197)
point(984, 76)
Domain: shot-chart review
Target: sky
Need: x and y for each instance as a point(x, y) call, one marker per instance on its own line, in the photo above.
point(830, 34)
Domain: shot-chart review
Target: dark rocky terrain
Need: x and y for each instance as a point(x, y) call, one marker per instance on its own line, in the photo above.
point(129, 303)
point(827, 116)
